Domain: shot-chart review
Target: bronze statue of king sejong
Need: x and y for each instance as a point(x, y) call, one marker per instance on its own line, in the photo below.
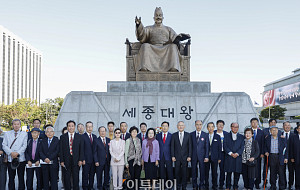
point(159, 51)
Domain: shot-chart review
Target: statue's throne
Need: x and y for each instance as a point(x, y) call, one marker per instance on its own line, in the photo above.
point(131, 75)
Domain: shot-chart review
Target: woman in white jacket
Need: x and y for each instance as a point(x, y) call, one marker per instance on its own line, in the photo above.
point(117, 151)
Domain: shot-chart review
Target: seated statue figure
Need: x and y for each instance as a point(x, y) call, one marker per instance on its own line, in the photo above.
point(159, 51)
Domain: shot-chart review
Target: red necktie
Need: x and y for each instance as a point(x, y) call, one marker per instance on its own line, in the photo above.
point(104, 147)
point(164, 139)
point(123, 137)
point(104, 142)
point(143, 137)
point(71, 145)
point(91, 139)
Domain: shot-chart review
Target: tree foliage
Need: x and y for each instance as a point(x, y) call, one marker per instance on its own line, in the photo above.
point(276, 112)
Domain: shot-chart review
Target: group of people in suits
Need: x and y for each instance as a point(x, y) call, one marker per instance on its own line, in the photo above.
point(165, 155)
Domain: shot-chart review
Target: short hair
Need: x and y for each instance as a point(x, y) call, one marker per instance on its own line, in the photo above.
point(248, 129)
point(220, 121)
point(79, 124)
point(133, 128)
point(253, 119)
point(271, 120)
point(166, 123)
point(210, 123)
point(198, 120)
point(15, 121)
point(285, 123)
point(122, 123)
point(62, 131)
point(180, 122)
point(88, 123)
point(71, 121)
point(143, 124)
point(150, 129)
point(111, 122)
point(298, 125)
point(117, 129)
point(234, 123)
point(36, 120)
point(50, 127)
point(100, 128)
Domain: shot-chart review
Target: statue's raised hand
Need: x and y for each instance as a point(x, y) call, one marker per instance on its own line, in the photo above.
point(138, 20)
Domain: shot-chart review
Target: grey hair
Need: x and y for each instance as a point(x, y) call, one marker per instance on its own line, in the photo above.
point(49, 127)
point(180, 122)
point(198, 120)
point(15, 121)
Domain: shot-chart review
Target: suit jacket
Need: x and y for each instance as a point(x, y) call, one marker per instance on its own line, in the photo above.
point(200, 149)
point(295, 149)
point(42, 135)
point(50, 152)
point(222, 140)
point(181, 153)
point(88, 148)
point(1, 148)
point(127, 136)
point(28, 152)
point(77, 149)
point(117, 152)
point(100, 152)
point(215, 148)
point(164, 149)
point(237, 146)
point(288, 143)
point(260, 139)
point(140, 137)
point(282, 146)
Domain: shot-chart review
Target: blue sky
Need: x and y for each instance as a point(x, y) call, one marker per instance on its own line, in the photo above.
point(237, 45)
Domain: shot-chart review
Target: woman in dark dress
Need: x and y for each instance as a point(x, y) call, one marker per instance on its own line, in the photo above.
point(249, 159)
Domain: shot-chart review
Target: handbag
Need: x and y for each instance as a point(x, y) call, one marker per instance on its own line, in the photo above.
point(126, 174)
point(253, 163)
point(5, 159)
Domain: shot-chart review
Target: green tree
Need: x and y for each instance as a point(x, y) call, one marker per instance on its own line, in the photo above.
point(275, 112)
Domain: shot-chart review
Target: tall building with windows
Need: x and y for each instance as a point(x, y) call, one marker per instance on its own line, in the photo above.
point(20, 64)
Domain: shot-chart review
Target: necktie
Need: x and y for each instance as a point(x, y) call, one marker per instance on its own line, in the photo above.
point(49, 142)
point(123, 137)
point(164, 139)
point(105, 147)
point(210, 139)
point(104, 142)
point(16, 134)
point(254, 134)
point(143, 137)
point(198, 137)
point(33, 149)
point(180, 138)
point(91, 139)
point(71, 144)
point(287, 136)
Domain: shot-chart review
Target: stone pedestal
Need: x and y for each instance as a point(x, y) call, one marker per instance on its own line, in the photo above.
point(155, 102)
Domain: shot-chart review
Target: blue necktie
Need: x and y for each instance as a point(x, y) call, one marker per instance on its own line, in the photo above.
point(254, 134)
point(49, 142)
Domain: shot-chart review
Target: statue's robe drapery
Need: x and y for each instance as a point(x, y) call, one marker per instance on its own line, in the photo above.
point(157, 53)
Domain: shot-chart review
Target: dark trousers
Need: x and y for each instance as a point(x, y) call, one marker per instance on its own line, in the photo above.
point(12, 174)
point(213, 165)
point(235, 180)
point(195, 173)
point(150, 170)
point(3, 173)
point(165, 167)
point(222, 171)
point(88, 174)
point(180, 173)
point(258, 172)
point(276, 169)
point(291, 168)
point(50, 175)
point(135, 172)
point(72, 172)
point(248, 182)
point(297, 177)
point(264, 168)
point(30, 175)
point(100, 169)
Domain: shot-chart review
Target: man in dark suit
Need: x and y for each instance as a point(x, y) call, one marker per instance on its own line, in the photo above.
point(272, 122)
point(33, 160)
point(258, 135)
point(165, 162)
point(200, 150)
point(37, 125)
point(102, 158)
point(3, 166)
point(124, 134)
point(88, 170)
point(295, 155)
point(215, 150)
point(234, 147)
point(142, 135)
point(220, 131)
point(181, 152)
point(287, 133)
point(276, 149)
point(49, 152)
point(71, 155)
